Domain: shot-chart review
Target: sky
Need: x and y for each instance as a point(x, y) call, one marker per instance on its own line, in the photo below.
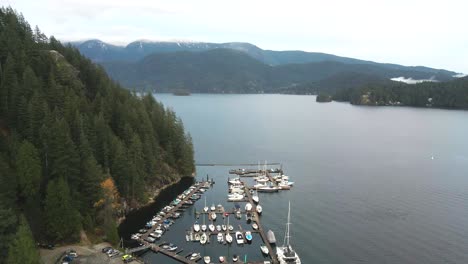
point(432, 33)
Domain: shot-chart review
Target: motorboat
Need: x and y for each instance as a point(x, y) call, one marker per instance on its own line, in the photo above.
point(218, 228)
point(169, 247)
point(239, 238)
point(259, 185)
point(235, 197)
point(285, 253)
point(230, 227)
point(221, 259)
point(254, 226)
point(248, 236)
point(207, 259)
point(238, 214)
point(271, 237)
point(264, 249)
point(248, 206)
point(213, 216)
point(268, 189)
point(194, 256)
point(203, 228)
point(224, 227)
point(235, 181)
point(203, 239)
point(235, 258)
point(213, 207)
point(220, 237)
point(259, 209)
point(248, 217)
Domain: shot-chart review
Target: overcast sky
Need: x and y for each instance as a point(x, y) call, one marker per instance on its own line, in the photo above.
point(409, 32)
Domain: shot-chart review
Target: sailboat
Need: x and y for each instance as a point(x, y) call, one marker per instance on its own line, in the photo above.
point(285, 253)
point(228, 236)
point(203, 227)
point(255, 197)
point(205, 209)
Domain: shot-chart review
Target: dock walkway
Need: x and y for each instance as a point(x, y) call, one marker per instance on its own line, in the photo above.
point(260, 227)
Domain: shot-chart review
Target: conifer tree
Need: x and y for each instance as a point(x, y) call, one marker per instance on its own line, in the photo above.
point(23, 249)
point(28, 169)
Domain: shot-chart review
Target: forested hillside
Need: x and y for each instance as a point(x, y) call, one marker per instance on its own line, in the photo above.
point(452, 94)
point(74, 145)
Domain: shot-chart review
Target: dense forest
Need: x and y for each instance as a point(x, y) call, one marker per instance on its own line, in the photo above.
point(452, 94)
point(74, 146)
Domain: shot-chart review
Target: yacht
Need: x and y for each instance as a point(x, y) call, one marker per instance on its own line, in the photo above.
point(239, 238)
point(285, 253)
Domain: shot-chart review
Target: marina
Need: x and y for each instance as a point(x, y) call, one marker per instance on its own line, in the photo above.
point(218, 224)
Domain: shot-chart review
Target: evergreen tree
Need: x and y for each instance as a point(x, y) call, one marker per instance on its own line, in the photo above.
point(28, 168)
point(62, 219)
point(23, 249)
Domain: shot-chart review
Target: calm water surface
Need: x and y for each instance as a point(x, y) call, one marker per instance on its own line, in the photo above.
point(373, 184)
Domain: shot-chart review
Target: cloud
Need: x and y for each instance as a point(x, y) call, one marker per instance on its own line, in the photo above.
point(460, 75)
point(413, 81)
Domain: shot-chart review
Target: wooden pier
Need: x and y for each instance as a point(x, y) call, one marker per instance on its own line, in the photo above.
point(171, 212)
point(272, 253)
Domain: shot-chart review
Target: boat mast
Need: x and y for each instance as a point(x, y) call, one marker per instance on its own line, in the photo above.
point(286, 237)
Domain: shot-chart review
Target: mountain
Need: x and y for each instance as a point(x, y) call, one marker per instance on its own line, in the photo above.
point(232, 71)
point(99, 51)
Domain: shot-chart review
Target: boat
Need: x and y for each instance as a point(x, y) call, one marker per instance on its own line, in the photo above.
point(211, 227)
point(197, 237)
point(268, 189)
point(224, 227)
point(239, 238)
point(207, 259)
point(219, 207)
point(259, 209)
point(230, 227)
point(238, 214)
point(205, 209)
point(203, 228)
point(213, 216)
point(259, 185)
point(218, 228)
point(203, 238)
point(235, 258)
point(248, 217)
point(271, 237)
point(213, 207)
point(220, 237)
point(248, 236)
point(195, 256)
point(169, 247)
point(235, 197)
point(135, 236)
point(196, 227)
point(261, 179)
point(221, 259)
point(235, 181)
point(264, 249)
point(255, 198)
point(285, 253)
point(254, 226)
point(248, 206)
point(228, 238)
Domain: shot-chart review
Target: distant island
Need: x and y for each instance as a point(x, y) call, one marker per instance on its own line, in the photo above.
point(323, 98)
point(181, 92)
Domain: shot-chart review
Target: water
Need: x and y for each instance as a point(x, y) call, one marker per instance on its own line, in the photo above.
point(367, 188)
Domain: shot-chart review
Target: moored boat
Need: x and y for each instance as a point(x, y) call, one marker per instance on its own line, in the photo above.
point(259, 209)
point(203, 239)
point(207, 259)
point(239, 238)
point(271, 237)
point(248, 236)
point(235, 258)
point(228, 238)
point(196, 227)
point(211, 227)
point(264, 249)
point(221, 259)
point(285, 253)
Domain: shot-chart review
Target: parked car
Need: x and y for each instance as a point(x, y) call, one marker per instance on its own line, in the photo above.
point(72, 253)
point(106, 249)
point(127, 258)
